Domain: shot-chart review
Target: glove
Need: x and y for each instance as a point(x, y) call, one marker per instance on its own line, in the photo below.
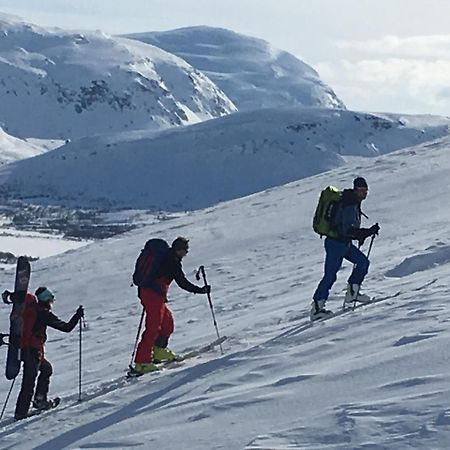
point(80, 312)
point(374, 229)
point(205, 289)
point(361, 234)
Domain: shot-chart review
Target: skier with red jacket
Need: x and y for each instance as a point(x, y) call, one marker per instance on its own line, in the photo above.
point(158, 318)
point(37, 316)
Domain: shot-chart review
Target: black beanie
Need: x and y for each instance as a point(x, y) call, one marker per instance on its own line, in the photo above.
point(360, 182)
point(180, 243)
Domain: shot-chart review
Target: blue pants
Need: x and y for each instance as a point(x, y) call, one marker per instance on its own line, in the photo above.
point(336, 251)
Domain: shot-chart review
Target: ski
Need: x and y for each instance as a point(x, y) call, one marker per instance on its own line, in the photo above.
point(352, 307)
point(311, 323)
point(17, 300)
point(192, 354)
point(32, 413)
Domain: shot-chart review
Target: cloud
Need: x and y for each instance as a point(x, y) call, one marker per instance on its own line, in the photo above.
point(392, 74)
point(416, 47)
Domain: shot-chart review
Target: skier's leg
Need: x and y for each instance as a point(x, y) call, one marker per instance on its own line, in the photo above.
point(361, 262)
point(167, 325)
point(161, 352)
point(360, 269)
point(154, 313)
point(334, 255)
point(46, 371)
point(30, 370)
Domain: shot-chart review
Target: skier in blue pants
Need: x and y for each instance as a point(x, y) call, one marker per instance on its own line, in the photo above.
point(347, 223)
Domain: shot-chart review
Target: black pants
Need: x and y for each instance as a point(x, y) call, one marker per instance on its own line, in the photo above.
point(32, 364)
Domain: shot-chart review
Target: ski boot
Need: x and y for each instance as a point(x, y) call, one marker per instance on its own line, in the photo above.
point(42, 403)
point(353, 295)
point(141, 369)
point(161, 354)
point(318, 310)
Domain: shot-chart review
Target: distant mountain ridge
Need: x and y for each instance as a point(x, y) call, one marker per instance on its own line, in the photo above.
point(60, 84)
point(197, 166)
point(252, 73)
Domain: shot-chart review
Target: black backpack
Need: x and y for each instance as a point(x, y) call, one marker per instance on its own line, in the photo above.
point(148, 262)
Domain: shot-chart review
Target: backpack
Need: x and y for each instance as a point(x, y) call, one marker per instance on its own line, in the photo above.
point(329, 202)
point(148, 262)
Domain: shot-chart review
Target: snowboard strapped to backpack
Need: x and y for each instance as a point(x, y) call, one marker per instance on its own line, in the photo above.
point(148, 262)
point(327, 206)
point(17, 300)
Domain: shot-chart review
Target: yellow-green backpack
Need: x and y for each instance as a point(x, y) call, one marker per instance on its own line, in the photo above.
point(329, 201)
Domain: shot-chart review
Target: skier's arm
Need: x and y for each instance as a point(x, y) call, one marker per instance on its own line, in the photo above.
point(184, 283)
point(55, 322)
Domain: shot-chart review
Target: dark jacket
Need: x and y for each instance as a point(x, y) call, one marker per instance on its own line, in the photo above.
point(348, 216)
point(36, 318)
point(171, 269)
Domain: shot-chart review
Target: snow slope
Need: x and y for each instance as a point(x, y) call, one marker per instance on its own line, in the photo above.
point(13, 149)
point(376, 378)
point(60, 84)
point(252, 72)
point(198, 166)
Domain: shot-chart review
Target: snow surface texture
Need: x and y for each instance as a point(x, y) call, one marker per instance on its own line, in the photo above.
point(200, 165)
point(251, 72)
point(60, 84)
point(376, 378)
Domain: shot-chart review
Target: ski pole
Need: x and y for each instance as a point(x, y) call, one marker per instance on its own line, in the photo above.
point(79, 359)
point(370, 246)
point(201, 270)
point(7, 398)
point(137, 337)
point(368, 254)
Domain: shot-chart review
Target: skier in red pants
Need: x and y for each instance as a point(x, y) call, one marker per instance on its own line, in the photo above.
point(158, 319)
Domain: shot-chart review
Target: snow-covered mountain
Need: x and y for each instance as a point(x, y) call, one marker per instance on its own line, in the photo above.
point(13, 149)
point(373, 379)
point(200, 165)
point(60, 84)
point(253, 73)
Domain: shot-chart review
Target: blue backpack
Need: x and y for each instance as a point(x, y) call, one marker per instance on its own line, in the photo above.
point(147, 264)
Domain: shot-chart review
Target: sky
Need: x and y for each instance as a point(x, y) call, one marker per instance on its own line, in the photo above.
point(378, 56)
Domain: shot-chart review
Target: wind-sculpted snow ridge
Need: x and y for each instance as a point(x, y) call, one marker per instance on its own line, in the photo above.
point(61, 84)
point(433, 256)
point(198, 166)
point(251, 72)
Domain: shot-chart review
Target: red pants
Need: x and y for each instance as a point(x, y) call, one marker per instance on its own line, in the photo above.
point(158, 323)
